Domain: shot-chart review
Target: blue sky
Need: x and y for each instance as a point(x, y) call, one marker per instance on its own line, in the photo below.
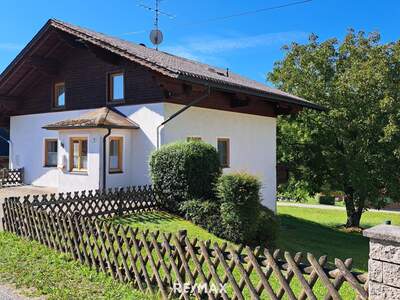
point(248, 45)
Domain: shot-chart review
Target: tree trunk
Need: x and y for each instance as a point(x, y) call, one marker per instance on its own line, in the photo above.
point(353, 213)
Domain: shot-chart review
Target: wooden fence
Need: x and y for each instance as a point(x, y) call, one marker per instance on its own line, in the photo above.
point(162, 263)
point(97, 203)
point(11, 177)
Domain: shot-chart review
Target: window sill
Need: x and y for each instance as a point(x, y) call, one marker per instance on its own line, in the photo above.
point(115, 172)
point(116, 102)
point(78, 172)
point(54, 108)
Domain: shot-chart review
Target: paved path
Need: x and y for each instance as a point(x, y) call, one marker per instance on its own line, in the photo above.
point(21, 191)
point(322, 206)
point(9, 292)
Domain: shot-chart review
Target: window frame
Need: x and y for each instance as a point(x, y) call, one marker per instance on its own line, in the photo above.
point(228, 152)
point(55, 105)
point(120, 140)
point(71, 154)
point(110, 86)
point(46, 148)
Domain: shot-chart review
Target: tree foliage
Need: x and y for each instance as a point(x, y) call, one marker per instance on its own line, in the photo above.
point(355, 145)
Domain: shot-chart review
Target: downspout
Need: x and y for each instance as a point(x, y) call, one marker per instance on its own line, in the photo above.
point(105, 157)
point(181, 111)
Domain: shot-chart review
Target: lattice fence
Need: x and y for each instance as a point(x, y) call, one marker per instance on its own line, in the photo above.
point(96, 203)
point(162, 263)
point(11, 177)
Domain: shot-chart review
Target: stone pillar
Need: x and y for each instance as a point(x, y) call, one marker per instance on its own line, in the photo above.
point(384, 262)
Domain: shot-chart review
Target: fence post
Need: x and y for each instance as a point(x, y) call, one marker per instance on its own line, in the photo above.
point(384, 262)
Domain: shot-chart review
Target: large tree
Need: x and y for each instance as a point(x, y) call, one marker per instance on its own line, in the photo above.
point(354, 146)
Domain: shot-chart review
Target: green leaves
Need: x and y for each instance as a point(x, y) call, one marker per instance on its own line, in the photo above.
point(355, 144)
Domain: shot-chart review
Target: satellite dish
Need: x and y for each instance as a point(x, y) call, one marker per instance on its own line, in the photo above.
point(156, 37)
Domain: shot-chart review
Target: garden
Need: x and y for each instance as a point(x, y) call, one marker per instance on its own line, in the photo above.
point(190, 227)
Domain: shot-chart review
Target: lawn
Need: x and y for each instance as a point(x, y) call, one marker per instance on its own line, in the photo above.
point(318, 231)
point(299, 237)
point(55, 275)
point(165, 222)
point(30, 264)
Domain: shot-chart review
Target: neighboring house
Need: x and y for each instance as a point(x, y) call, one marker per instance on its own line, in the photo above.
point(85, 111)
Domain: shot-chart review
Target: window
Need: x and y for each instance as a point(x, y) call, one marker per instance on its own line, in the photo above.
point(116, 87)
point(59, 95)
point(193, 138)
point(50, 152)
point(78, 154)
point(115, 153)
point(223, 152)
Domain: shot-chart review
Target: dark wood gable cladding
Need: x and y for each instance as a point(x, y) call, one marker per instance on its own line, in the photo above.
point(59, 57)
point(84, 71)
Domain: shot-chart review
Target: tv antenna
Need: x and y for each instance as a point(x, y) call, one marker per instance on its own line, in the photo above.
point(156, 35)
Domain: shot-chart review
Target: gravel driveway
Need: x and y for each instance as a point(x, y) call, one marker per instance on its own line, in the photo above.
point(22, 191)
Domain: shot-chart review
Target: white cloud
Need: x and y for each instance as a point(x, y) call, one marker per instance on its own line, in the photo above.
point(209, 48)
point(217, 44)
point(10, 46)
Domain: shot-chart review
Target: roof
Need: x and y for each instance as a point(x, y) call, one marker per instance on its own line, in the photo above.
point(174, 66)
point(100, 118)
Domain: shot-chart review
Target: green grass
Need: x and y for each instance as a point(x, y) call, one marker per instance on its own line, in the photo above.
point(29, 264)
point(167, 223)
point(318, 231)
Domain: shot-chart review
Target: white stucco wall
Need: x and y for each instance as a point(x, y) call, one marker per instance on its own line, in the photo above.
point(28, 137)
point(252, 145)
point(27, 150)
point(78, 181)
point(144, 140)
point(252, 140)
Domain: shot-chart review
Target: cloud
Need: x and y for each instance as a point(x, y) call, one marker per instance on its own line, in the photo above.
point(217, 45)
point(10, 46)
point(208, 48)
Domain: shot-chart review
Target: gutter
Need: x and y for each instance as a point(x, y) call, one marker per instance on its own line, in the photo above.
point(173, 116)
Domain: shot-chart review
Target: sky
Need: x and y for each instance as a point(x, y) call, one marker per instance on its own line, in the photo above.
point(248, 45)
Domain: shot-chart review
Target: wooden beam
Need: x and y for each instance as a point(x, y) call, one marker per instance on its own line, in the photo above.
point(239, 102)
point(104, 55)
point(70, 40)
point(8, 103)
point(48, 66)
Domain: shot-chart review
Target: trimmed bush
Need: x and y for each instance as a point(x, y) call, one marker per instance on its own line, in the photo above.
point(182, 171)
point(205, 213)
point(326, 199)
point(267, 229)
point(243, 218)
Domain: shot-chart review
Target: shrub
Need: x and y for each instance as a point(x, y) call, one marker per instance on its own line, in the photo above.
point(205, 213)
point(182, 171)
point(295, 189)
point(243, 218)
point(267, 229)
point(326, 199)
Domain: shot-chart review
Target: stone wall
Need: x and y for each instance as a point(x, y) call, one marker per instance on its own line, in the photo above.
point(384, 262)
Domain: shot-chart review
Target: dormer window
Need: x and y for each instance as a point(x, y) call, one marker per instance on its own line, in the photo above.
point(116, 87)
point(59, 95)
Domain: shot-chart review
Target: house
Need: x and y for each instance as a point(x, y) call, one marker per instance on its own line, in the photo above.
point(85, 110)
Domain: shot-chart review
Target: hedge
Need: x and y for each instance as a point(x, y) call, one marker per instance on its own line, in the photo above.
point(182, 171)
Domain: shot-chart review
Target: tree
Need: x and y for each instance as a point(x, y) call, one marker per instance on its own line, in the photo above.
point(354, 146)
